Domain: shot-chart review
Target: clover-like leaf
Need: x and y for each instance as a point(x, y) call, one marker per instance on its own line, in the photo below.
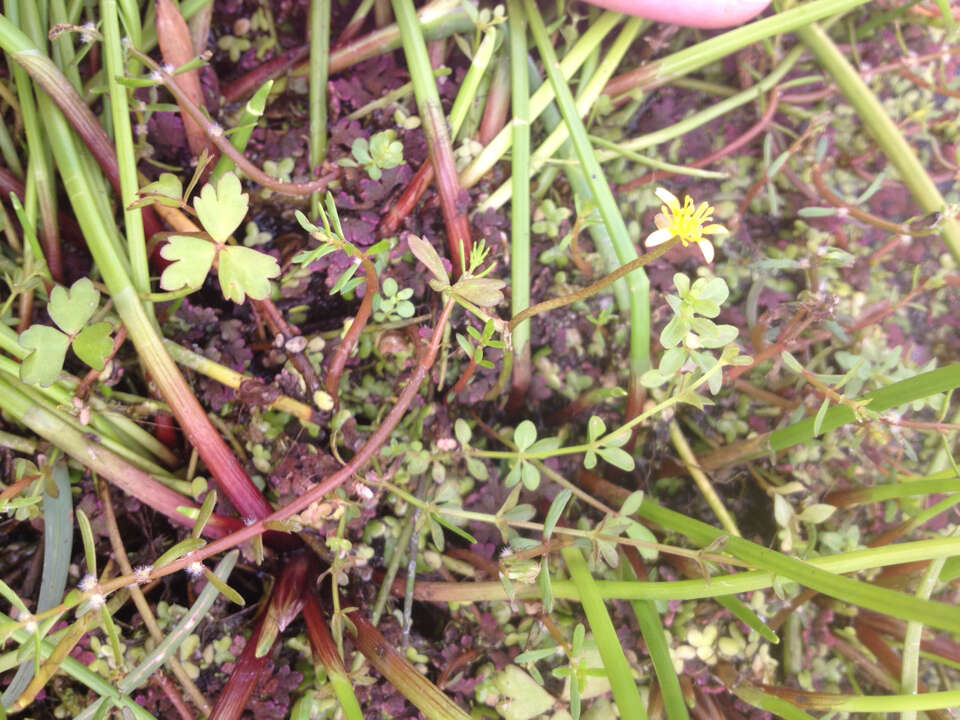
point(477, 469)
point(632, 503)
point(555, 511)
point(192, 258)
point(462, 431)
point(589, 459)
point(244, 271)
point(360, 149)
point(513, 477)
point(674, 331)
point(221, 210)
point(49, 346)
point(70, 309)
point(636, 531)
point(529, 475)
point(385, 151)
point(93, 344)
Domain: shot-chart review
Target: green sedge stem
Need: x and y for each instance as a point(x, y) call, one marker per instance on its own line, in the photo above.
point(586, 99)
point(435, 131)
point(620, 151)
point(471, 82)
point(540, 99)
point(123, 139)
point(911, 641)
point(520, 207)
point(615, 664)
point(606, 204)
point(319, 71)
point(252, 112)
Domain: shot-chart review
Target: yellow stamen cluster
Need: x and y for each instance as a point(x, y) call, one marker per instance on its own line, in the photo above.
point(688, 222)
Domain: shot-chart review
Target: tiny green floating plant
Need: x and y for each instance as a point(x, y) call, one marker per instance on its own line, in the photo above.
point(381, 152)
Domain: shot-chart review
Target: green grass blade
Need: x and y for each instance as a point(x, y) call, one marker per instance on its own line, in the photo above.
point(625, 692)
point(652, 630)
point(520, 187)
point(57, 548)
point(855, 592)
point(172, 641)
point(891, 396)
point(319, 71)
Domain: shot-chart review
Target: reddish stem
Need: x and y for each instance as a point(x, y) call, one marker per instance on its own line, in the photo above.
point(407, 201)
point(448, 185)
point(283, 607)
point(339, 361)
point(322, 646)
point(163, 682)
point(331, 482)
point(10, 183)
point(84, 122)
point(462, 380)
point(498, 103)
point(426, 696)
point(247, 84)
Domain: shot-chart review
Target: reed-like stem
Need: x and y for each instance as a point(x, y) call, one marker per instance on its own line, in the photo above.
point(606, 205)
point(436, 132)
point(319, 70)
point(520, 207)
point(123, 138)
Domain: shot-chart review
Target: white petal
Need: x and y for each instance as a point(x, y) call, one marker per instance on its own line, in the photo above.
point(714, 229)
point(658, 237)
point(667, 198)
point(706, 247)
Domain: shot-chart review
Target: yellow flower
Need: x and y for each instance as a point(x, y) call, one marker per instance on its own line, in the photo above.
point(687, 222)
